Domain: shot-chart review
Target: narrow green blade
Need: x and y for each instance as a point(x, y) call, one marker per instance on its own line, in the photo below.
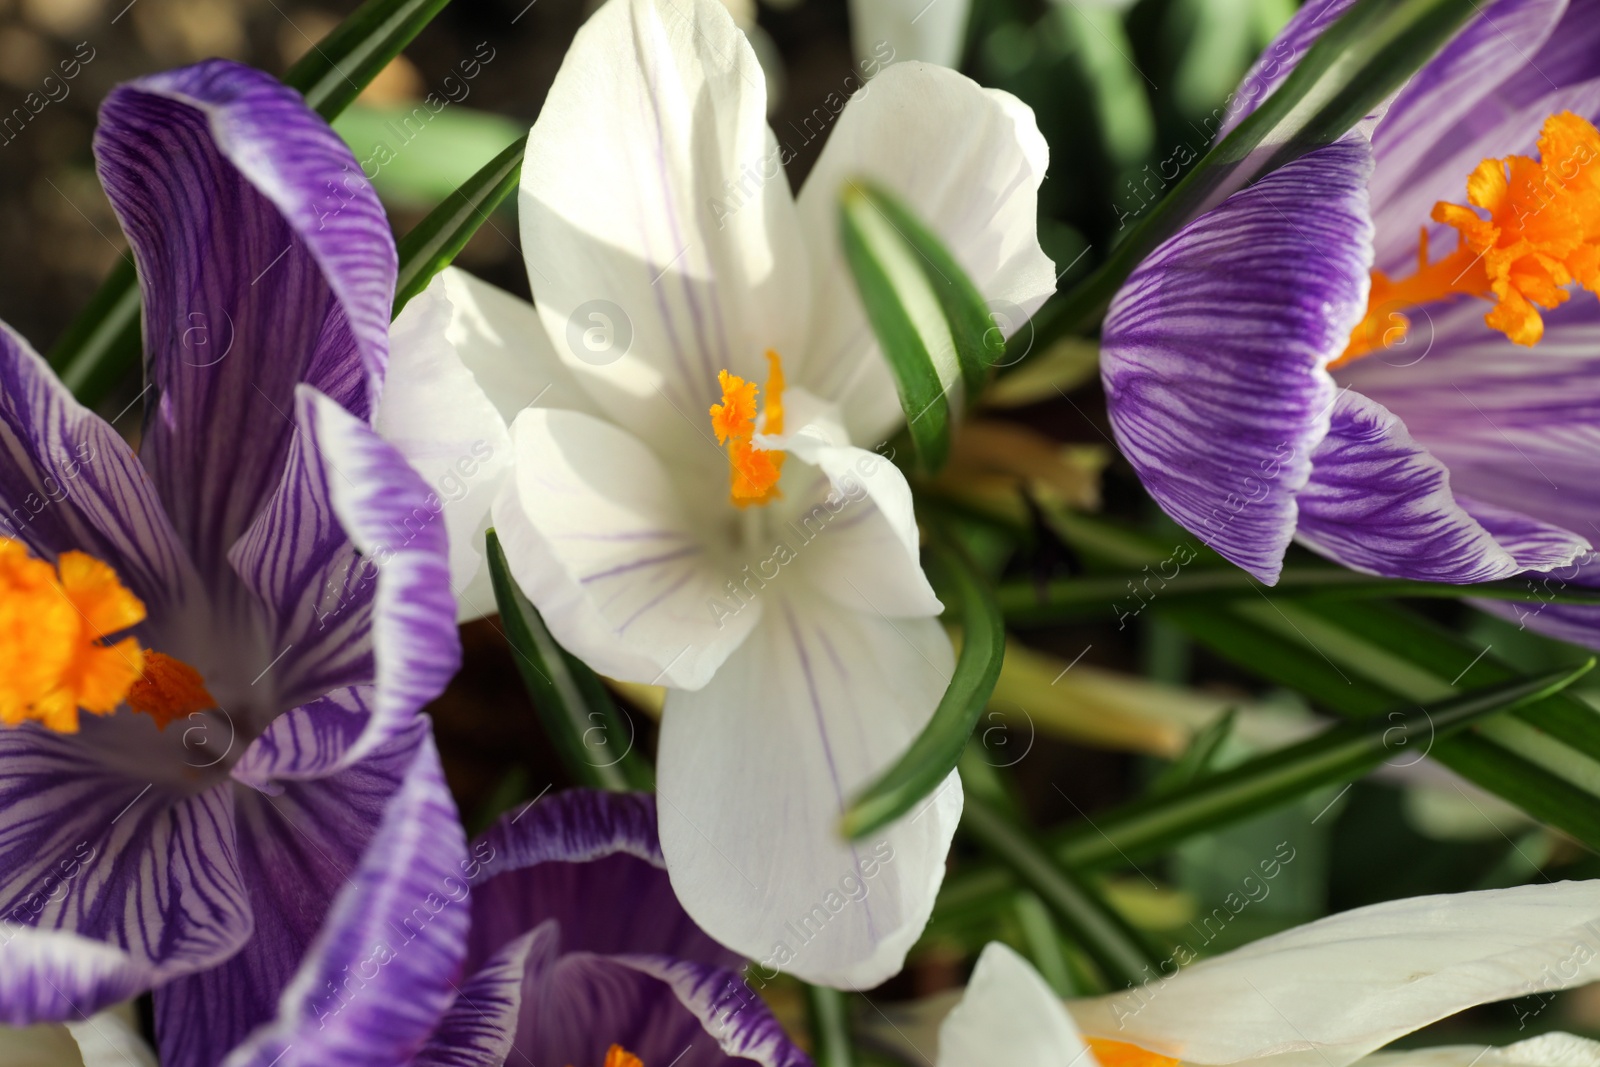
point(595, 743)
point(905, 317)
point(1105, 936)
point(938, 748)
point(435, 241)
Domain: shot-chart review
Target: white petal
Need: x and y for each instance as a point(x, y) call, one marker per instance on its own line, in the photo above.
point(756, 769)
point(860, 544)
point(1547, 1050)
point(598, 540)
point(884, 31)
point(1009, 1015)
point(434, 411)
point(661, 237)
point(1334, 990)
point(978, 190)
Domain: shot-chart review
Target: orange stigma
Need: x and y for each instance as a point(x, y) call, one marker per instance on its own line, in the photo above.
point(753, 471)
point(169, 690)
point(54, 659)
point(1542, 233)
point(1121, 1054)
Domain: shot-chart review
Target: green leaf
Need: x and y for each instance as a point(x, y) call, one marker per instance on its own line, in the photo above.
point(938, 748)
point(594, 742)
point(416, 156)
point(1198, 758)
point(1027, 604)
point(1359, 659)
point(929, 318)
point(1117, 950)
point(343, 63)
point(1155, 823)
point(1355, 64)
point(829, 1017)
point(435, 241)
point(102, 345)
point(1340, 754)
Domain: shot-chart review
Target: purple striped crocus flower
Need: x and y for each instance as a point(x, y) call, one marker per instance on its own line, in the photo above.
point(179, 809)
point(1379, 350)
point(578, 955)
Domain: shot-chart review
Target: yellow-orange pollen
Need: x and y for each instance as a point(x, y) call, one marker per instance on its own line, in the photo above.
point(55, 659)
point(617, 1056)
point(1542, 233)
point(1121, 1054)
point(753, 471)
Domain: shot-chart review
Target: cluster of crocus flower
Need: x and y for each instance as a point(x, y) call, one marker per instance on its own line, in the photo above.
point(1374, 351)
point(216, 786)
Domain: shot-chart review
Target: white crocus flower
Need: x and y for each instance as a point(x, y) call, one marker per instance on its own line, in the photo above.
point(796, 634)
point(1326, 994)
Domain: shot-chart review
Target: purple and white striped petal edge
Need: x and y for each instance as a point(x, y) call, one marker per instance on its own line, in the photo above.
point(480, 1028)
point(398, 588)
point(1379, 502)
point(53, 975)
point(265, 260)
point(729, 1009)
point(383, 971)
point(573, 826)
point(71, 482)
point(1220, 423)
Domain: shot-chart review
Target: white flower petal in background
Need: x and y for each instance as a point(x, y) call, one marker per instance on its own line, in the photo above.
point(1009, 1016)
point(1334, 990)
point(932, 31)
point(1546, 1050)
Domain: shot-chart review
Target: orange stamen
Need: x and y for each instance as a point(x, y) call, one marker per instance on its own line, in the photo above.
point(1121, 1054)
point(54, 658)
point(753, 471)
point(1542, 234)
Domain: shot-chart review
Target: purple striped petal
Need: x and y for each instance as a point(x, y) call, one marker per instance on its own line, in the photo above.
point(1491, 48)
point(1379, 502)
point(351, 560)
point(297, 847)
point(662, 1010)
point(380, 976)
point(69, 481)
point(265, 261)
point(1577, 623)
point(309, 742)
point(51, 975)
point(1518, 428)
point(148, 868)
point(1213, 353)
point(480, 1028)
point(591, 860)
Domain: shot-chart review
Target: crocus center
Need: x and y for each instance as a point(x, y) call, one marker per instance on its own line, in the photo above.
point(54, 652)
point(1542, 233)
point(1121, 1054)
point(752, 472)
point(617, 1056)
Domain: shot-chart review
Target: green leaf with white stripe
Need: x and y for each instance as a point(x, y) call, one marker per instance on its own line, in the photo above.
point(930, 319)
